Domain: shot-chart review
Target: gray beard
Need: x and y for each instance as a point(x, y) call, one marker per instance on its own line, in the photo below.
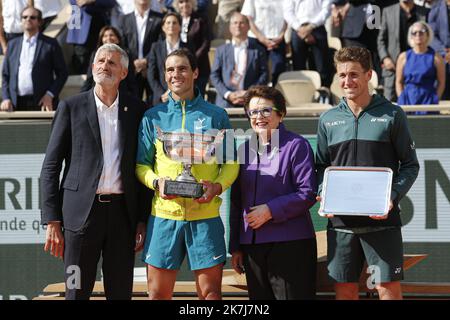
point(102, 79)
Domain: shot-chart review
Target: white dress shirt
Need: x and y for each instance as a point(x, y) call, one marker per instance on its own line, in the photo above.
point(49, 8)
point(267, 16)
point(170, 49)
point(24, 79)
point(126, 6)
point(240, 65)
point(12, 15)
point(298, 12)
point(108, 120)
point(141, 23)
point(185, 29)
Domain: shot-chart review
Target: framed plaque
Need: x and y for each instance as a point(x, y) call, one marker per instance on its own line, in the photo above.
point(356, 191)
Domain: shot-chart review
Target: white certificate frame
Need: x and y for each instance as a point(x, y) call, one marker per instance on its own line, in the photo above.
point(356, 191)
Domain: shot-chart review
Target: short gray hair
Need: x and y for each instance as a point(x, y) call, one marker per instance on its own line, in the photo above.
point(112, 47)
point(176, 5)
point(430, 33)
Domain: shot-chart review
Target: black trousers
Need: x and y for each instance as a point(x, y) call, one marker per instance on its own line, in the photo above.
point(281, 270)
point(319, 50)
point(446, 94)
point(107, 232)
point(144, 87)
point(27, 103)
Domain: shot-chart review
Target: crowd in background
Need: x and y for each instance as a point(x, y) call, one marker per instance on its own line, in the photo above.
point(267, 38)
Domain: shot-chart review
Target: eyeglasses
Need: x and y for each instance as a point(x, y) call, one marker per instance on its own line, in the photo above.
point(31, 17)
point(419, 32)
point(265, 112)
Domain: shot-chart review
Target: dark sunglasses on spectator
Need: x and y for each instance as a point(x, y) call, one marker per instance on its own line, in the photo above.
point(419, 32)
point(31, 17)
point(265, 112)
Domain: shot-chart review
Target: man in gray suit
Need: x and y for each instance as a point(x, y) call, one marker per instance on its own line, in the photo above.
point(238, 65)
point(393, 39)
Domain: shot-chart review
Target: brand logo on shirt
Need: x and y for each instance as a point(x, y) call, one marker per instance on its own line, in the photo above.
point(413, 146)
point(335, 123)
point(378, 120)
point(199, 125)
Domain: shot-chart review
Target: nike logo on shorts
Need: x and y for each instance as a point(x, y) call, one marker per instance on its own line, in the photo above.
point(215, 258)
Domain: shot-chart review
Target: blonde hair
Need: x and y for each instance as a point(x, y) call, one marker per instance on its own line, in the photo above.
point(430, 33)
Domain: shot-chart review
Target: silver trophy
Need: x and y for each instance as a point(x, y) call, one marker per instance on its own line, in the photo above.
point(188, 148)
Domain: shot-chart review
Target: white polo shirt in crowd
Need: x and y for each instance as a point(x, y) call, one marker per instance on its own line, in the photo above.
point(298, 12)
point(267, 16)
point(141, 23)
point(49, 8)
point(12, 15)
point(108, 120)
point(126, 6)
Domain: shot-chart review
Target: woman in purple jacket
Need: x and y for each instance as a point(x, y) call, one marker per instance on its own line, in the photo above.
point(272, 237)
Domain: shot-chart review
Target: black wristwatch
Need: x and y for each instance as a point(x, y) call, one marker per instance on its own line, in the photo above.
point(156, 184)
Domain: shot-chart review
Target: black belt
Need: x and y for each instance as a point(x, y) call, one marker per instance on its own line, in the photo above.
point(102, 197)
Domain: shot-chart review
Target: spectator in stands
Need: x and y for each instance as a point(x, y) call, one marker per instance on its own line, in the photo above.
point(238, 65)
point(439, 20)
point(109, 34)
point(225, 9)
point(122, 7)
point(355, 17)
point(281, 262)
point(270, 35)
point(392, 39)
point(34, 71)
point(307, 20)
point(140, 29)
point(11, 23)
point(424, 7)
point(49, 9)
point(171, 26)
point(83, 28)
point(195, 31)
point(419, 68)
point(202, 7)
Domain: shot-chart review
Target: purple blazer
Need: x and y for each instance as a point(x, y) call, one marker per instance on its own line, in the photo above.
point(283, 178)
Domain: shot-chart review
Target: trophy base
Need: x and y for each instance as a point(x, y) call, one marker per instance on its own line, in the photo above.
point(183, 189)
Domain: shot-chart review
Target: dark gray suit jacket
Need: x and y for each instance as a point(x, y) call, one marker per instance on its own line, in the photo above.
point(128, 28)
point(223, 66)
point(75, 140)
point(438, 20)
